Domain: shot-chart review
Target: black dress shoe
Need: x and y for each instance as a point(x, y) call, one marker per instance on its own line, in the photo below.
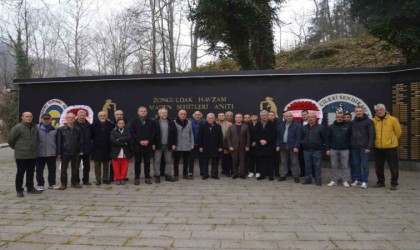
point(282, 178)
point(107, 182)
point(261, 178)
point(98, 183)
point(271, 178)
point(235, 176)
point(169, 178)
point(148, 181)
point(393, 188)
point(87, 183)
point(19, 194)
point(379, 185)
point(204, 177)
point(318, 184)
point(157, 179)
point(297, 180)
point(137, 182)
point(62, 187)
point(216, 177)
point(34, 191)
point(306, 182)
point(77, 185)
point(243, 176)
point(126, 179)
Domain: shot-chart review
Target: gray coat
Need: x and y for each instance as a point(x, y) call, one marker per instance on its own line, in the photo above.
point(185, 136)
point(47, 142)
point(23, 139)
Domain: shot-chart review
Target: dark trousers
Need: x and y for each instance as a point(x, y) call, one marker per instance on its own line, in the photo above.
point(214, 166)
point(265, 166)
point(301, 162)
point(238, 159)
point(28, 166)
point(40, 166)
point(85, 158)
point(390, 155)
point(101, 170)
point(111, 171)
point(195, 153)
point(74, 162)
point(186, 169)
point(162, 166)
point(226, 163)
point(277, 164)
point(138, 157)
point(251, 163)
point(313, 161)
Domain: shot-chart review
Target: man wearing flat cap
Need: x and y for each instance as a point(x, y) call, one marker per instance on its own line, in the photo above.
point(47, 152)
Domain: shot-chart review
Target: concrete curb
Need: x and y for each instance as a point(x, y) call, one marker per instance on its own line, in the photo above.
point(4, 145)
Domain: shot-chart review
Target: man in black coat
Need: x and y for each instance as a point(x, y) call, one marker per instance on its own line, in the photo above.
point(313, 138)
point(86, 128)
point(143, 133)
point(69, 148)
point(210, 142)
point(253, 158)
point(101, 131)
point(266, 138)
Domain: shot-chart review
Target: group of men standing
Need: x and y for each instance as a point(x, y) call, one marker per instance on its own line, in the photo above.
point(248, 145)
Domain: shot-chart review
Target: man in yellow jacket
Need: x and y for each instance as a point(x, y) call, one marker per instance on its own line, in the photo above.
point(387, 133)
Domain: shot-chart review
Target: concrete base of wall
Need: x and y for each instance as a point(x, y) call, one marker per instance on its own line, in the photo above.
point(410, 166)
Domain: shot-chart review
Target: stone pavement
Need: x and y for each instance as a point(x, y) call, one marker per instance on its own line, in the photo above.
point(211, 214)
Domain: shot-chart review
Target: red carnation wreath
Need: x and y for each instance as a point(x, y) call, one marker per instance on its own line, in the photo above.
point(74, 109)
point(298, 105)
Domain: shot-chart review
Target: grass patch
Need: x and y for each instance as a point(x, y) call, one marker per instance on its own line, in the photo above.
point(262, 217)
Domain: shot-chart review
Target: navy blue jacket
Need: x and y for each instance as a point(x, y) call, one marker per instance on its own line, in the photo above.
point(196, 127)
point(313, 137)
point(362, 133)
point(338, 136)
point(294, 134)
point(142, 132)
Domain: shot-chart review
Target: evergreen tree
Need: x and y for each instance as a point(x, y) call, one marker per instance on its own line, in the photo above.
point(241, 29)
point(395, 21)
point(9, 111)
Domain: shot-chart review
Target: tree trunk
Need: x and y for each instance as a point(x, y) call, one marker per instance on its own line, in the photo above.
point(153, 56)
point(170, 20)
